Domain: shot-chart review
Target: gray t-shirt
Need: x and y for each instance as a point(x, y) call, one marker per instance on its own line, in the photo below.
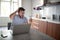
point(17, 20)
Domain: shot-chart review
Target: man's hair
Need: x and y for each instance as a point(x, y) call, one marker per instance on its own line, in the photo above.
point(21, 9)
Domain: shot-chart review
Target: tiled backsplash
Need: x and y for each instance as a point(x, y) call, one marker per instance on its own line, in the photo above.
point(50, 10)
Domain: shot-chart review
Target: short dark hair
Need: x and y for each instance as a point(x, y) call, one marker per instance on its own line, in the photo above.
point(21, 9)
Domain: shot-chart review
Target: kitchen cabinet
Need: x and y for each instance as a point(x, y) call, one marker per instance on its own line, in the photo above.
point(42, 26)
point(48, 2)
point(57, 31)
point(53, 1)
point(35, 24)
point(39, 25)
point(48, 28)
point(53, 30)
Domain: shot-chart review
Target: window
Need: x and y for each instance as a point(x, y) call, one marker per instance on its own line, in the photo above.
point(8, 6)
point(5, 10)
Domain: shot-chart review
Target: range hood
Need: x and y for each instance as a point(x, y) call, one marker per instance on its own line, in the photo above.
point(47, 3)
point(53, 2)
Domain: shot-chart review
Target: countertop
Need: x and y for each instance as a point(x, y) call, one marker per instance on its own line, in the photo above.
point(47, 20)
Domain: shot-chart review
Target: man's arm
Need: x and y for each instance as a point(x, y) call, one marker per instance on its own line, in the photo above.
point(13, 14)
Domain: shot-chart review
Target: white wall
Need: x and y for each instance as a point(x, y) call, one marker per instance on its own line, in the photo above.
point(36, 3)
point(27, 5)
point(50, 10)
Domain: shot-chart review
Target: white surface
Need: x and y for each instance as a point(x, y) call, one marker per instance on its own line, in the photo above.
point(47, 20)
point(5, 32)
point(33, 35)
point(27, 5)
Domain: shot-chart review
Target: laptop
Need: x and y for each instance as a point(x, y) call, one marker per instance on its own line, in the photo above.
point(20, 29)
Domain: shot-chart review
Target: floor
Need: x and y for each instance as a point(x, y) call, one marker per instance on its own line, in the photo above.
point(32, 35)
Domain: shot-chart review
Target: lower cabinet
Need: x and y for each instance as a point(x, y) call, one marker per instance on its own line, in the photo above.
point(35, 24)
point(48, 28)
point(42, 26)
point(53, 30)
point(58, 32)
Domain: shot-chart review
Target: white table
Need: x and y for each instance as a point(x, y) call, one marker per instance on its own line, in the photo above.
point(34, 35)
point(5, 32)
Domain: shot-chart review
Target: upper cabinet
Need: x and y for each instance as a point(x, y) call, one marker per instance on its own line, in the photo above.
point(45, 2)
point(40, 4)
point(52, 2)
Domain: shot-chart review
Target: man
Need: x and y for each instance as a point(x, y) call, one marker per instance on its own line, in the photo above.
point(18, 19)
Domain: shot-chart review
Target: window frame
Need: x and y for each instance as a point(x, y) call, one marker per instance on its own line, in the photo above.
point(11, 5)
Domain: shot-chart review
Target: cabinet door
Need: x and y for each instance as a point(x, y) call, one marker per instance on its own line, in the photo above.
point(42, 26)
point(51, 30)
point(35, 24)
point(54, 30)
point(58, 32)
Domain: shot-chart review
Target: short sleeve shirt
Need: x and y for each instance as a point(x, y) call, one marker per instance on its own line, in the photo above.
point(17, 20)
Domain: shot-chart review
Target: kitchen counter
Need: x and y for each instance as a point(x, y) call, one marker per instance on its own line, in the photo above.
point(47, 20)
point(48, 27)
